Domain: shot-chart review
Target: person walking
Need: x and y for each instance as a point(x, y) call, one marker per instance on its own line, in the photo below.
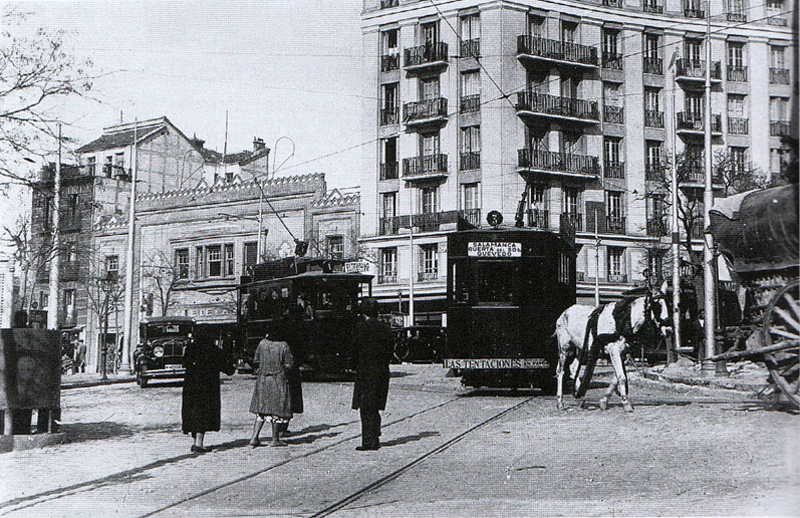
point(271, 394)
point(372, 342)
point(80, 357)
point(201, 407)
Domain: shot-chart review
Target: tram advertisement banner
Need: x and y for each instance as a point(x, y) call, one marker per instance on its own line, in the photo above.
point(494, 249)
point(496, 363)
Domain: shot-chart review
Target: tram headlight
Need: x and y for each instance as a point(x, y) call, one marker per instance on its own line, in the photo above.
point(158, 351)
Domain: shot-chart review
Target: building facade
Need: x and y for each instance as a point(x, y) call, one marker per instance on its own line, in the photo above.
point(554, 111)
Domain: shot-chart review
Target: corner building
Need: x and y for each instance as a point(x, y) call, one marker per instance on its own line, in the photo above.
point(551, 110)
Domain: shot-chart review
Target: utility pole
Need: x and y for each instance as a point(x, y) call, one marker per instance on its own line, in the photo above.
point(411, 266)
point(676, 237)
point(596, 258)
point(128, 314)
point(52, 295)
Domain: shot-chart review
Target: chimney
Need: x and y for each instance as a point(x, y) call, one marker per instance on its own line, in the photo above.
point(197, 142)
point(258, 144)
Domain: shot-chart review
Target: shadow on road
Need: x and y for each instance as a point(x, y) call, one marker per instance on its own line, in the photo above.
point(79, 432)
point(409, 438)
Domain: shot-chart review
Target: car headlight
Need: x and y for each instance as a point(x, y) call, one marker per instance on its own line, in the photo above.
point(158, 351)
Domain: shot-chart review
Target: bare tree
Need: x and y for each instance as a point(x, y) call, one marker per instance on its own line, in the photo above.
point(162, 278)
point(32, 259)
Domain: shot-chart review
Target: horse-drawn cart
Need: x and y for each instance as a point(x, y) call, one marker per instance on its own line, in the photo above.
point(758, 233)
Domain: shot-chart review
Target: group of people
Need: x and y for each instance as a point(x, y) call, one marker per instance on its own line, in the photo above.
point(277, 395)
point(73, 357)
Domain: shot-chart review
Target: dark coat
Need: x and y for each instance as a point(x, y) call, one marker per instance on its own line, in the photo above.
point(271, 392)
point(373, 342)
point(201, 399)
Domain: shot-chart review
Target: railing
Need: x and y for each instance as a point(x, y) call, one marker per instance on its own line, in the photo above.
point(426, 54)
point(614, 114)
point(612, 61)
point(389, 171)
point(538, 218)
point(615, 224)
point(656, 228)
point(387, 278)
point(653, 119)
point(471, 48)
point(615, 170)
point(693, 172)
point(738, 126)
point(470, 160)
point(552, 161)
point(471, 216)
point(427, 276)
point(779, 128)
point(779, 76)
point(617, 277)
point(696, 122)
point(736, 17)
point(654, 172)
point(653, 65)
point(652, 7)
point(423, 110)
point(559, 106)
point(385, 4)
point(575, 219)
point(556, 50)
point(697, 69)
point(422, 166)
point(612, 3)
point(737, 73)
point(390, 116)
point(390, 62)
point(778, 21)
point(693, 12)
point(470, 103)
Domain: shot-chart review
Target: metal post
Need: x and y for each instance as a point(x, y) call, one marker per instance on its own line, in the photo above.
point(708, 201)
point(128, 314)
point(596, 258)
point(259, 245)
point(411, 265)
point(676, 236)
point(52, 295)
point(104, 336)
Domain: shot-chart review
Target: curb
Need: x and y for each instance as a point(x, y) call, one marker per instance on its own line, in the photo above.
point(94, 383)
point(708, 383)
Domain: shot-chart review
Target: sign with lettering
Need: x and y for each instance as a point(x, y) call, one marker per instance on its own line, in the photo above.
point(356, 267)
point(494, 249)
point(496, 363)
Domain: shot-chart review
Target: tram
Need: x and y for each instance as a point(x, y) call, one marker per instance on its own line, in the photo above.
point(319, 306)
point(505, 289)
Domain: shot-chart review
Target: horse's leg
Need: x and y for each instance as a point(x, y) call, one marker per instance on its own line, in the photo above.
point(612, 387)
point(562, 360)
point(615, 352)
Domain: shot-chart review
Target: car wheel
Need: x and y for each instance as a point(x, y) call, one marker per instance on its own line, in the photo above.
point(401, 351)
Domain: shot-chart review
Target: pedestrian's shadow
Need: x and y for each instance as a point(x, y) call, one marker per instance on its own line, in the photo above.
point(309, 439)
point(80, 432)
point(409, 438)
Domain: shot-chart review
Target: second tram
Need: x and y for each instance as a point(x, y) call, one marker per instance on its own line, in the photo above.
point(505, 290)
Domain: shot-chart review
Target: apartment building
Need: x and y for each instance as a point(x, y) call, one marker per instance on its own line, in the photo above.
point(557, 111)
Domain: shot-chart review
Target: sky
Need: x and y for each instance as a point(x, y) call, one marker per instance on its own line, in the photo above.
point(279, 68)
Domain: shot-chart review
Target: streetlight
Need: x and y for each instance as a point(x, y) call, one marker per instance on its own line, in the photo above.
point(107, 284)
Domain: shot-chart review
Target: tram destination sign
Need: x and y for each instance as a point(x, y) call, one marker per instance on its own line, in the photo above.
point(496, 363)
point(494, 249)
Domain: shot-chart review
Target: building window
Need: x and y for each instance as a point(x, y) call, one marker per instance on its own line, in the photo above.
point(182, 263)
point(653, 160)
point(108, 167)
point(69, 305)
point(119, 164)
point(737, 10)
point(470, 35)
point(470, 92)
point(429, 144)
point(537, 26)
point(428, 199)
point(616, 264)
point(778, 109)
point(655, 263)
point(568, 31)
point(389, 204)
point(693, 51)
point(112, 264)
point(91, 165)
point(390, 104)
point(229, 262)
point(736, 54)
point(429, 33)
point(198, 263)
point(389, 169)
point(471, 199)
point(611, 150)
point(738, 159)
point(250, 257)
point(429, 269)
point(470, 148)
point(213, 266)
point(390, 59)
point(614, 205)
point(388, 265)
point(777, 57)
point(335, 247)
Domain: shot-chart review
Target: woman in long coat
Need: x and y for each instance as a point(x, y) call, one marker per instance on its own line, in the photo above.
point(200, 412)
point(271, 395)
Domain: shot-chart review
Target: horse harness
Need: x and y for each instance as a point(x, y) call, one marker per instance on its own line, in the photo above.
point(622, 323)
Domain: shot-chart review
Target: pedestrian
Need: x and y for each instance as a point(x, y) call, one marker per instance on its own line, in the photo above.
point(200, 412)
point(80, 356)
point(271, 394)
point(372, 343)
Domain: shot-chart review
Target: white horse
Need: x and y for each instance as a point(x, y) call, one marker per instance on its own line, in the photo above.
point(583, 331)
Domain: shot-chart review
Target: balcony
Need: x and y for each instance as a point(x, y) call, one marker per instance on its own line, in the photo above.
point(534, 48)
point(615, 170)
point(385, 4)
point(695, 71)
point(690, 123)
point(424, 112)
point(612, 3)
point(656, 227)
point(615, 224)
point(778, 21)
point(614, 114)
point(579, 166)
point(574, 219)
point(390, 62)
point(654, 172)
point(652, 65)
point(389, 171)
point(388, 278)
point(534, 105)
point(425, 167)
point(653, 119)
point(737, 74)
point(617, 278)
point(470, 161)
point(471, 216)
point(736, 17)
point(692, 10)
point(470, 103)
point(431, 222)
point(424, 57)
point(538, 218)
point(738, 126)
point(692, 174)
point(471, 48)
point(389, 116)
point(428, 276)
point(779, 76)
point(652, 7)
point(612, 61)
point(779, 128)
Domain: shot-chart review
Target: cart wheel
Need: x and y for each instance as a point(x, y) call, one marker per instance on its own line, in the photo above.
point(782, 324)
point(401, 351)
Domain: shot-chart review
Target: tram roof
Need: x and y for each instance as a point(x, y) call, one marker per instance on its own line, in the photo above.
point(315, 275)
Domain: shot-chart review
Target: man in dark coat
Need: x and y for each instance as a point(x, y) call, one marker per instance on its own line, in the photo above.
point(200, 412)
point(372, 342)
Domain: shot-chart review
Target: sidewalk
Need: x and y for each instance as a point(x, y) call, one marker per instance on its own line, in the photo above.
point(744, 376)
point(91, 379)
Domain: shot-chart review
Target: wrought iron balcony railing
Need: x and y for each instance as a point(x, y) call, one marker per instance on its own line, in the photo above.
point(778, 21)
point(424, 110)
point(555, 50)
point(654, 172)
point(736, 17)
point(428, 54)
point(779, 128)
point(471, 48)
point(429, 222)
point(737, 74)
point(653, 119)
point(617, 278)
point(575, 219)
point(656, 227)
point(390, 62)
point(612, 3)
point(652, 7)
point(612, 61)
point(691, 11)
point(546, 104)
point(390, 116)
point(695, 122)
point(469, 161)
point(387, 278)
point(389, 171)
point(779, 76)
point(471, 216)
point(538, 218)
point(615, 170)
point(539, 160)
point(738, 125)
point(615, 224)
point(614, 114)
point(470, 103)
point(428, 276)
point(653, 65)
point(688, 69)
point(425, 166)
point(385, 4)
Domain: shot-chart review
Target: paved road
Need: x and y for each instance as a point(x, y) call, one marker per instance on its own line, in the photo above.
point(447, 452)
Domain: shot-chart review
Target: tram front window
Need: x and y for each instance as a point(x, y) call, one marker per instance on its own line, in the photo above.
point(496, 282)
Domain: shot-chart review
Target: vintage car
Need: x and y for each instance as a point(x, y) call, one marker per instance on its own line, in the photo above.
point(421, 343)
point(159, 353)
